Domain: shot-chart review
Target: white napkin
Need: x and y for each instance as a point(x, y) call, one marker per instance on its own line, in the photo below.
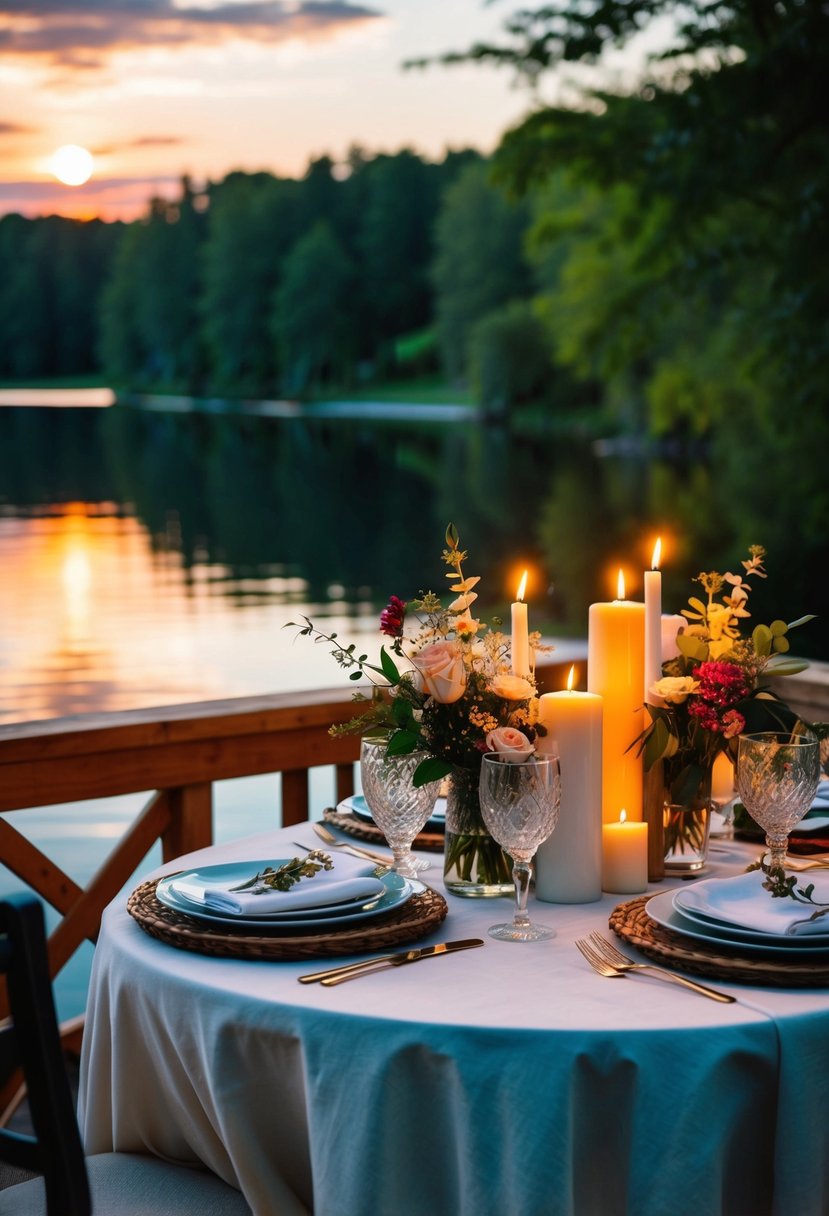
point(350, 878)
point(742, 901)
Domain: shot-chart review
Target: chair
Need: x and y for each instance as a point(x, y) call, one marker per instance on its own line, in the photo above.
point(121, 1184)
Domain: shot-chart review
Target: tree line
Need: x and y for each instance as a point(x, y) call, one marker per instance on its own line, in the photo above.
point(656, 253)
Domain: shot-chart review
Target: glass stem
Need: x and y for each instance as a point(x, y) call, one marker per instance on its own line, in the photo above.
point(521, 878)
point(403, 861)
point(777, 846)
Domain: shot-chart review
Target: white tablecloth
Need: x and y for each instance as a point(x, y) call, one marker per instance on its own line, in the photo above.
point(508, 1080)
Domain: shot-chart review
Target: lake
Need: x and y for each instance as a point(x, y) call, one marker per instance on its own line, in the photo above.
point(152, 557)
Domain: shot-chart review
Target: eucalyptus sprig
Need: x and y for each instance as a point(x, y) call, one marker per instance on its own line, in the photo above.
point(783, 886)
point(286, 876)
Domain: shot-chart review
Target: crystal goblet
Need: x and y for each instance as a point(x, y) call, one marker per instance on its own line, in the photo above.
point(519, 805)
point(398, 807)
point(777, 776)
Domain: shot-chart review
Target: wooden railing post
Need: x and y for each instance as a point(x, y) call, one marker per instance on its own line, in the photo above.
point(191, 820)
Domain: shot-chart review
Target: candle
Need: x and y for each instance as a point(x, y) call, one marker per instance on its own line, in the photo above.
point(568, 865)
point(624, 856)
point(653, 623)
point(722, 779)
point(520, 649)
point(671, 626)
point(616, 672)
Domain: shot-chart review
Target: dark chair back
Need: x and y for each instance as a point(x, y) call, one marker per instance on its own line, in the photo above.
point(31, 1041)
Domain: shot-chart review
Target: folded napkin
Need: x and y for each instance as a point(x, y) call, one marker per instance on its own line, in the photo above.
point(742, 901)
point(350, 879)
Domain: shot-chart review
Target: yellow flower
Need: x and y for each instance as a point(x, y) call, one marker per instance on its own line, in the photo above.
point(674, 689)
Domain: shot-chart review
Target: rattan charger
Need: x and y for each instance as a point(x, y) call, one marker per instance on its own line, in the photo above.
point(415, 919)
point(718, 960)
point(361, 829)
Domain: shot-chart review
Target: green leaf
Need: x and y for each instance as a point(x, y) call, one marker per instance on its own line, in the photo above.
point(452, 536)
point(778, 628)
point(802, 620)
point(785, 667)
point(355, 675)
point(430, 769)
point(781, 645)
point(402, 742)
point(761, 638)
point(389, 666)
point(692, 647)
point(401, 711)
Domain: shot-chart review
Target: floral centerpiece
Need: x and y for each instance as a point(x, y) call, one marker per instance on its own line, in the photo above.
point(444, 686)
point(712, 692)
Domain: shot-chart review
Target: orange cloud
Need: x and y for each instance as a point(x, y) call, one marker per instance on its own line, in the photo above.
point(81, 34)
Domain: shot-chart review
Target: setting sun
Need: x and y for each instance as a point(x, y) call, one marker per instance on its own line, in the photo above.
point(72, 165)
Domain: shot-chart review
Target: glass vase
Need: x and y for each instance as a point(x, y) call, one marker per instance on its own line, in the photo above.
point(474, 865)
point(686, 826)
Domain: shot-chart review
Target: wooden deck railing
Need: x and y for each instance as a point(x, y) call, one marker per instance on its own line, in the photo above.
point(177, 752)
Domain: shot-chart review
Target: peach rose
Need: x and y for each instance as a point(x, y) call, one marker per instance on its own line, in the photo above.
point(512, 688)
point(511, 744)
point(442, 670)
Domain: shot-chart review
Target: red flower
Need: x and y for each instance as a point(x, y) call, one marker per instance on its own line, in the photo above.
point(721, 684)
point(392, 616)
point(733, 724)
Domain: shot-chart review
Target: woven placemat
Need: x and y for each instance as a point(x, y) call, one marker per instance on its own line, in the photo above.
point(719, 960)
point(415, 919)
point(361, 829)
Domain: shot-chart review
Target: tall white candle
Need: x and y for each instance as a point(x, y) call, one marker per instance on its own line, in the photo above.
point(568, 865)
point(653, 623)
point(616, 672)
point(520, 648)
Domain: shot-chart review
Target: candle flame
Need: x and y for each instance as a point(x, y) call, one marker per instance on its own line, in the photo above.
point(623, 816)
point(571, 678)
point(620, 585)
point(657, 554)
point(522, 586)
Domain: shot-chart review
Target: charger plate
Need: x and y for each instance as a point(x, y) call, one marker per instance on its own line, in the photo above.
point(415, 919)
point(430, 842)
point(632, 923)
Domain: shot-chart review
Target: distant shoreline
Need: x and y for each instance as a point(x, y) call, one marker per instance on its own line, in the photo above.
point(102, 398)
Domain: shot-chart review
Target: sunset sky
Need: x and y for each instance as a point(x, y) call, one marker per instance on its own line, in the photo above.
point(159, 88)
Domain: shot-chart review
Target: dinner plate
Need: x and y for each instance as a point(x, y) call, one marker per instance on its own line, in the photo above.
point(397, 891)
point(740, 933)
point(661, 909)
point(740, 904)
point(357, 805)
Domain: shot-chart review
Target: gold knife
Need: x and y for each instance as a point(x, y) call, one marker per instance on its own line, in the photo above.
point(337, 975)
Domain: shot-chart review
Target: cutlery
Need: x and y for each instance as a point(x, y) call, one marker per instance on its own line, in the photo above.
point(331, 840)
point(351, 971)
point(604, 958)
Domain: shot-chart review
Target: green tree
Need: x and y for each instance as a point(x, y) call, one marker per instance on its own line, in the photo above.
point(478, 262)
point(312, 323)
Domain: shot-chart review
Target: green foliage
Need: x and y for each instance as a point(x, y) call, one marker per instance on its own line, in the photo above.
point(509, 357)
point(479, 263)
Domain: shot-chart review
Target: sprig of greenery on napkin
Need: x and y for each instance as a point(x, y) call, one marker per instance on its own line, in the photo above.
point(285, 876)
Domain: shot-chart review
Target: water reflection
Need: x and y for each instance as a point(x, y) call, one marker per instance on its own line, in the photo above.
point(153, 557)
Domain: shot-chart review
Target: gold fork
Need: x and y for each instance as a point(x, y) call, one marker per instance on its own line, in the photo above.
point(331, 840)
point(610, 962)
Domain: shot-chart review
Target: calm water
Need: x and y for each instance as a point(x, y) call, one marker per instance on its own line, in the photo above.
point(154, 558)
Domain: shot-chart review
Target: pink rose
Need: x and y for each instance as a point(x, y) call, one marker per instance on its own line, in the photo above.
point(511, 744)
point(441, 667)
point(512, 688)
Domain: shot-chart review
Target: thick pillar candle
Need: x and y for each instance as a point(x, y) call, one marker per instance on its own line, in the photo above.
point(568, 865)
point(520, 647)
point(653, 624)
point(624, 857)
point(616, 673)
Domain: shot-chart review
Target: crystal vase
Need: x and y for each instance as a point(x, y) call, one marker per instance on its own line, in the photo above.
point(474, 865)
point(687, 822)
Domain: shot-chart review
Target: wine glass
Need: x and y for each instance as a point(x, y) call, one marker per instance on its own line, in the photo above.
point(519, 804)
point(777, 776)
point(398, 807)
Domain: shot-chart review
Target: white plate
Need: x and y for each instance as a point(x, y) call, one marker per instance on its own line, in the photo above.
point(357, 805)
point(661, 909)
point(397, 891)
point(740, 903)
point(738, 933)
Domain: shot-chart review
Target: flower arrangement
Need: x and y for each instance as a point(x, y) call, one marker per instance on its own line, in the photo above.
point(713, 690)
point(454, 697)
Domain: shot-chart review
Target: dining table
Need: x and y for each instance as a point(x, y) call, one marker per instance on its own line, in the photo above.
point(509, 1079)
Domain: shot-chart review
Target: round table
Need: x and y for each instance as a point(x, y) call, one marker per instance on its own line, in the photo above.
point(507, 1080)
